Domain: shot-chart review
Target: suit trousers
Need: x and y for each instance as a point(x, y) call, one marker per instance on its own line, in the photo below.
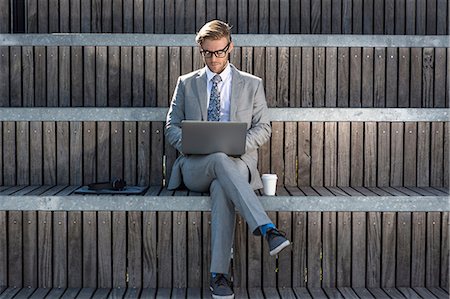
point(227, 180)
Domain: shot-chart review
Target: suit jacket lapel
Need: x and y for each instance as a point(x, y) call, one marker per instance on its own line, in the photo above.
point(202, 94)
point(236, 90)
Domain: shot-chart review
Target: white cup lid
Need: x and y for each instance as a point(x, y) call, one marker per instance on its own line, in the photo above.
point(269, 176)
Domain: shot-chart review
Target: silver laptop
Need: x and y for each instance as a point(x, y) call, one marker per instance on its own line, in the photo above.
point(207, 137)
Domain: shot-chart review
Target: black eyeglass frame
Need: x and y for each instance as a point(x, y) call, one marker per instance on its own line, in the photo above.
point(219, 53)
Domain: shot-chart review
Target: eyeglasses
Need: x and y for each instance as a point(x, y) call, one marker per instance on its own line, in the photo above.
point(219, 53)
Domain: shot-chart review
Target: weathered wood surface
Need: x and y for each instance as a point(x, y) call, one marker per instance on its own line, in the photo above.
point(282, 293)
point(107, 249)
point(250, 16)
point(300, 153)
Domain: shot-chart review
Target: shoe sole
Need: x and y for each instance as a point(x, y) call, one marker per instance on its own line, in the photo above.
point(280, 247)
point(221, 297)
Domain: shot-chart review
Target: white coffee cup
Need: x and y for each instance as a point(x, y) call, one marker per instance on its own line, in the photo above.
point(269, 183)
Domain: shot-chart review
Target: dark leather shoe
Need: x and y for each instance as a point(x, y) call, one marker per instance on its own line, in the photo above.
point(277, 241)
point(221, 287)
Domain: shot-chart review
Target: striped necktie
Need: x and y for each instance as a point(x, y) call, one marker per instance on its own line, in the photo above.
point(214, 100)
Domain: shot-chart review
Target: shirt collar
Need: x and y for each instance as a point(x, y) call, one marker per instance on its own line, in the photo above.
point(225, 74)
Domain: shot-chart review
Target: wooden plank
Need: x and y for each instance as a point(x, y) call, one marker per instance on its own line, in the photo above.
point(89, 76)
point(404, 245)
point(76, 141)
point(114, 76)
point(295, 74)
point(391, 76)
point(101, 76)
point(314, 251)
point(193, 293)
point(418, 249)
point(397, 154)
point(317, 150)
point(89, 154)
point(163, 293)
point(180, 264)
point(329, 247)
point(299, 257)
point(439, 77)
point(305, 16)
point(445, 251)
point(384, 154)
point(302, 293)
point(194, 252)
point(336, 17)
point(239, 256)
point(304, 154)
point(307, 77)
point(42, 292)
point(437, 154)
point(438, 292)
point(206, 245)
point(331, 154)
point(423, 153)
point(70, 80)
point(15, 249)
point(367, 80)
point(428, 77)
point(416, 76)
point(62, 153)
point(9, 150)
point(358, 252)
point(104, 226)
point(74, 245)
point(117, 143)
point(49, 152)
point(355, 77)
point(269, 265)
point(10, 292)
point(60, 239)
point(285, 257)
point(15, 77)
point(134, 252)
point(23, 142)
point(3, 249)
point(125, 76)
point(343, 78)
point(374, 249)
point(388, 251)
point(164, 249)
point(148, 293)
point(90, 249)
point(119, 249)
point(103, 152)
point(319, 60)
point(410, 166)
point(370, 154)
point(4, 76)
point(331, 77)
point(130, 159)
point(28, 64)
point(71, 293)
point(379, 77)
point(433, 254)
point(149, 250)
point(356, 155)
point(344, 253)
point(408, 292)
point(348, 292)
point(30, 249)
point(137, 76)
point(45, 243)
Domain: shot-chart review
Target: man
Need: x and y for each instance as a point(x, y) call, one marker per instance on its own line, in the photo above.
point(220, 92)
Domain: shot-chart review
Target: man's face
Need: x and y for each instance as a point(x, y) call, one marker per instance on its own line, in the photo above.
point(214, 63)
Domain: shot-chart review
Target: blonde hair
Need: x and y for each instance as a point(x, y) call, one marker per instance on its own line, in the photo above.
point(215, 29)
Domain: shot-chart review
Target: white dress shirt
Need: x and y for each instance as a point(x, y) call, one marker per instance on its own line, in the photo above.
point(225, 91)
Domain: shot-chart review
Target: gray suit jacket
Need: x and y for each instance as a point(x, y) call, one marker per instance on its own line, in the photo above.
point(248, 104)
